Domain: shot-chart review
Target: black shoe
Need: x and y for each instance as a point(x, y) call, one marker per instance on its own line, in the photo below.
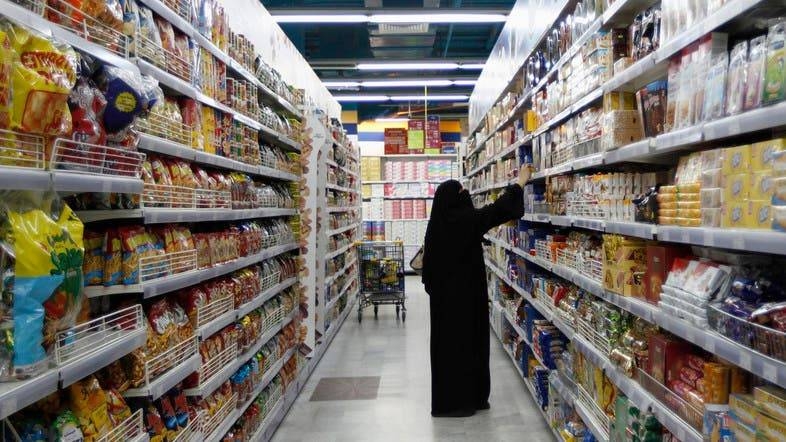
point(455, 413)
point(483, 406)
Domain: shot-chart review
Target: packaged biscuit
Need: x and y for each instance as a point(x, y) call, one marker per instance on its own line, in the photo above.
point(775, 65)
point(735, 94)
point(744, 408)
point(772, 400)
point(755, 75)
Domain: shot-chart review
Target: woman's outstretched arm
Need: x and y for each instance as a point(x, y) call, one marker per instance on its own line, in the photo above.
point(509, 206)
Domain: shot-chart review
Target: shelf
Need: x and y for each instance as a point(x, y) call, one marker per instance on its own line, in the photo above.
point(493, 187)
point(421, 156)
point(36, 21)
point(329, 280)
point(329, 306)
point(511, 149)
point(163, 146)
point(265, 296)
point(339, 251)
point(159, 286)
point(751, 240)
point(331, 186)
point(340, 230)
point(166, 381)
point(158, 216)
point(15, 396)
point(391, 219)
point(341, 209)
point(430, 181)
point(332, 163)
point(400, 197)
point(632, 389)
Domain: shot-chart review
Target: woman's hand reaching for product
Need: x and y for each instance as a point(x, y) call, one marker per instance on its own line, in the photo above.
point(525, 173)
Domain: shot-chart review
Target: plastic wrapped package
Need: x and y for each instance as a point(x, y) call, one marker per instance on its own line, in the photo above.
point(755, 73)
point(41, 254)
point(738, 64)
point(43, 74)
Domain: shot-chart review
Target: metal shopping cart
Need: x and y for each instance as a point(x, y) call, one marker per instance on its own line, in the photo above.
point(381, 276)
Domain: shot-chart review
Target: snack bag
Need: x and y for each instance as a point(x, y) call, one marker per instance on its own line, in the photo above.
point(41, 258)
point(117, 408)
point(123, 91)
point(7, 57)
point(86, 103)
point(89, 404)
point(42, 78)
point(93, 268)
point(65, 427)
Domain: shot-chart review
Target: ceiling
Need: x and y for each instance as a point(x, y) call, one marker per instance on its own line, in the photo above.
point(334, 49)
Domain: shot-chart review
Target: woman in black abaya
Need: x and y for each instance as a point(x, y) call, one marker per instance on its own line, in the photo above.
point(455, 278)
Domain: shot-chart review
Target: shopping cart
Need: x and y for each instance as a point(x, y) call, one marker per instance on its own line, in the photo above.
point(381, 276)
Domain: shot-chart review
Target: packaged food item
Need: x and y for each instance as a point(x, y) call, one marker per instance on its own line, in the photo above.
point(715, 92)
point(770, 428)
point(735, 94)
point(117, 407)
point(41, 259)
point(66, 427)
point(755, 76)
point(123, 91)
point(772, 400)
point(42, 78)
point(775, 65)
point(93, 267)
point(89, 404)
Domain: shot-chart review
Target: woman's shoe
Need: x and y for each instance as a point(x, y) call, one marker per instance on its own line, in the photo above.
point(483, 406)
point(455, 413)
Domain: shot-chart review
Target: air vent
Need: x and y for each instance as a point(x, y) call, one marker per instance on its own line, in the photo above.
point(413, 28)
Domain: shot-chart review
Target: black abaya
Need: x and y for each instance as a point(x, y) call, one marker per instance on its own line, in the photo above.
point(454, 276)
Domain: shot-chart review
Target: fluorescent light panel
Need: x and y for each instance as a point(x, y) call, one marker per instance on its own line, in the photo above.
point(352, 98)
point(396, 83)
point(429, 97)
point(358, 98)
point(412, 17)
point(407, 66)
point(391, 120)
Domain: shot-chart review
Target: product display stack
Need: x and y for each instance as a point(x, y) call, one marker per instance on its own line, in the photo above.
point(152, 162)
point(641, 296)
point(398, 192)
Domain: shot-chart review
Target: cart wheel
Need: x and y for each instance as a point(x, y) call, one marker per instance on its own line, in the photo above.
point(376, 311)
point(360, 316)
point(397, 310)
point(404, 316)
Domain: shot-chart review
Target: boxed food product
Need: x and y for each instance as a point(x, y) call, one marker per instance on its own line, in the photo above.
point(772, 400)
point(667, 356)
point(736, 215)
point(760, 215)
point(736, 188)
point(651, 102)
point(770, 429)
point(744, 408)
point(736, 160)
point(711, 217)
point(763, 154)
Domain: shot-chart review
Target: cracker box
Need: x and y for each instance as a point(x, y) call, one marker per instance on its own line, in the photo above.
point(763, 154)
point(736, 160)
point(744, 408)
point(772, 400)
point(770, 429)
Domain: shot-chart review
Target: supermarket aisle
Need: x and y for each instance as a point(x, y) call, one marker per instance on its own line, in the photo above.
point(398, 354)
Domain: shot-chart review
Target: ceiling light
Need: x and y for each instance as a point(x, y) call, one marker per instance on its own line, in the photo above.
point(406, 83)
point(352, 98)
point(412, 17)
point(391, 120)
point(340, 84)
point(437, 18)
point(476, 66)
point(338, 18)
point(465, 82)
point(406, 66)
point(429, 97)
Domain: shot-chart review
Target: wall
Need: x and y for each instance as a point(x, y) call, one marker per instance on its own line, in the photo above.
point(371, 135)
point(250, 18)
point(527, 22)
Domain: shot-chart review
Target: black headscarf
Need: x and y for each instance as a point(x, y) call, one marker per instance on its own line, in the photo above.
point(451, 205)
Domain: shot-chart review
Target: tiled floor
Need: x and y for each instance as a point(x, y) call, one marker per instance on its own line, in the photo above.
point(398, 353)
